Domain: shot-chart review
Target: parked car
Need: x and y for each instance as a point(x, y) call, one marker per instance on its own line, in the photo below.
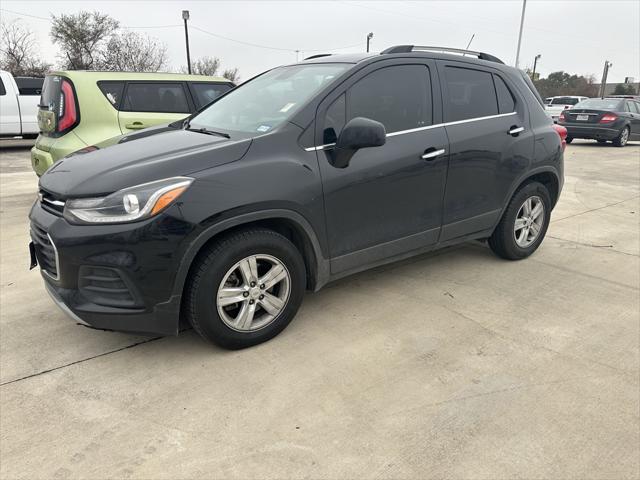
point(81, 108)
point(19, 105)
point(603, 119)
point(300, 176)
point(555, 105)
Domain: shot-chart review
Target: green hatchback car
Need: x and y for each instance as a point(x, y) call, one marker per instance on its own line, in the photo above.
point(81, 108)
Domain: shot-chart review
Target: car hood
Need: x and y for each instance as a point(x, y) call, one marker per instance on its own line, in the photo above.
point(134, 159)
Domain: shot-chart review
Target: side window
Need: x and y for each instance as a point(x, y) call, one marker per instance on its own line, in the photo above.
point(113, 92)
point(627, 106)
point(635, 107)
point(506, 103)
point(399, 97)
point(470, 94)
point(155, 97)
point(3, 91)
point(205, 93)
point(334, 120)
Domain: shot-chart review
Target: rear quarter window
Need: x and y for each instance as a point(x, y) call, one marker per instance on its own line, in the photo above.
point(470, 94)
point(3, 91)
point(205, 93)
point(155, 97)
point(506, 100)
point(112, 92)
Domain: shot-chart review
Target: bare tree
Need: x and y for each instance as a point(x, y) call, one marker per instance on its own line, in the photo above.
point(81, 37)
point(133, 52)
point(232, 74)
point(206, 66)
point(18, 51)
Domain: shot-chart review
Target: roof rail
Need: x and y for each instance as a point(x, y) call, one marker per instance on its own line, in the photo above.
point(319, 55)
point(421, 48)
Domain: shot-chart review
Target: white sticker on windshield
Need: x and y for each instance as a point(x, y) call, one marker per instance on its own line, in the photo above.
point(287, 107)
point(263, 128)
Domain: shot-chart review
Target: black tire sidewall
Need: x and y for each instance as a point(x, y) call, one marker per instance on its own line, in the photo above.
point(503, 241)
point(209, 323)
point(618, 140)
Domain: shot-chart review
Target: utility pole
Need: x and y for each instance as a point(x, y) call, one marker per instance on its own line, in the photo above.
point(535, 63)
point(185, 17)
point(369, 37)
point(605, 73)
point(524, 7)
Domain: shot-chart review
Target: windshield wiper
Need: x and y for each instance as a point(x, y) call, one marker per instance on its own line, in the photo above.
point(205, 130)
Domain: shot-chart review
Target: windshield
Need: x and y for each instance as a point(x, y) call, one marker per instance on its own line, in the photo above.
point(612, 104)
point(564, 101)
point(262, 104)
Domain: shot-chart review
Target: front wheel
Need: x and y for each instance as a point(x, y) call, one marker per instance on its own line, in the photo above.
point(245, 288)
point(622, 139)
point(523, 224)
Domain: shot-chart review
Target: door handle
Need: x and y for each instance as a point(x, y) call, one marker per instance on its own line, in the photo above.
point(431, 153)
point(514, 131)
point(135, 125)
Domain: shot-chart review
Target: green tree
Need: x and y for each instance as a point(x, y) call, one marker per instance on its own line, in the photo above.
point(624, 89)
point(562, 83)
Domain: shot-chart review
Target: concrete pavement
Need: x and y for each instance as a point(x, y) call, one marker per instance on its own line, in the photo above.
point(454, 364)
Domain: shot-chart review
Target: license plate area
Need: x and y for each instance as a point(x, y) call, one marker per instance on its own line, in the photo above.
point(582, 118)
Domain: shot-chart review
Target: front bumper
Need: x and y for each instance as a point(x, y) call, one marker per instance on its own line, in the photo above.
point(595, 132)
point(112, 277)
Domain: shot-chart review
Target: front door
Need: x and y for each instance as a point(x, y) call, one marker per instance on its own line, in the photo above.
point(388, 201)
point(146, 104)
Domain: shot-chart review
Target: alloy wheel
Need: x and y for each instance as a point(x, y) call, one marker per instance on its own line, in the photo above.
point(529, 221)
point(253, 293)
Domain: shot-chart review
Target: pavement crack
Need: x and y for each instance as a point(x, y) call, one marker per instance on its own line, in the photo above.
point(37, 374)
point(595, 209)
point(608, 247)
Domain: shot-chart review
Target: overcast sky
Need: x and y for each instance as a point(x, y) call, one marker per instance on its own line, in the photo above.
point(574, 36)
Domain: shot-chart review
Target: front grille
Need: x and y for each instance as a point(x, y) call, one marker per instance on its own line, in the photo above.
point(105, 286)
point(45, 251)
point(51, 203)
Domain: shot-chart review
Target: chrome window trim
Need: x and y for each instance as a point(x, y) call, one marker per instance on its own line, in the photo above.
point(419, 129)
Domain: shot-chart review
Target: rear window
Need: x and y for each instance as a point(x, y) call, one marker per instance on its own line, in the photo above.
point(564, 101)
point(155, 97)
point(205, 93)
point(471, 94)
point(112, 91)
point(611, 104)
point(50, 97)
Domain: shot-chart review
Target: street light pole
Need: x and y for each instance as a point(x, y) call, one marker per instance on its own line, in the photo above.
point(369, 37)
point(185, 17)
point(524, 7)
point(535, 63)
point(605, 73)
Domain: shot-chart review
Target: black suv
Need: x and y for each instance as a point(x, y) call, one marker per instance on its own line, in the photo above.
point(302, 175)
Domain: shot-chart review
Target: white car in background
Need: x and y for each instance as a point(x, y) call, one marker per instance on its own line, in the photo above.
point(554, 106)
point(19, 98)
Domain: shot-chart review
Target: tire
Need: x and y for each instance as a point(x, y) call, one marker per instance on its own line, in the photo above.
point(622, 139)
point(213, 276)
point(503, 241)
point(568, 139)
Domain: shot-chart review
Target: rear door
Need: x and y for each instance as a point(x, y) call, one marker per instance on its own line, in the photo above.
point(634, 109)
point(9, 112)
point(146, 103)
point(491, 145)
point(389, 199)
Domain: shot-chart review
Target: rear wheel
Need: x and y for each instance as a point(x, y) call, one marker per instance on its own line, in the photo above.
point(569, 139)
point(245, 289)
point(523, 224)
point(622, 139)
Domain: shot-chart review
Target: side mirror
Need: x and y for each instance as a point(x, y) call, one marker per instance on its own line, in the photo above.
point(358, 133)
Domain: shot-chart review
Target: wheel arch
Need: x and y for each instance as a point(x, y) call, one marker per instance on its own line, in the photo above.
point(288, 223)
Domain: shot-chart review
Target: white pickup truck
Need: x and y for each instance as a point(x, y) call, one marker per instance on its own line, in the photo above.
point(19, 99)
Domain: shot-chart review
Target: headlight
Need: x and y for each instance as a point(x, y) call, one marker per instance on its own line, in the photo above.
point(127, 205)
